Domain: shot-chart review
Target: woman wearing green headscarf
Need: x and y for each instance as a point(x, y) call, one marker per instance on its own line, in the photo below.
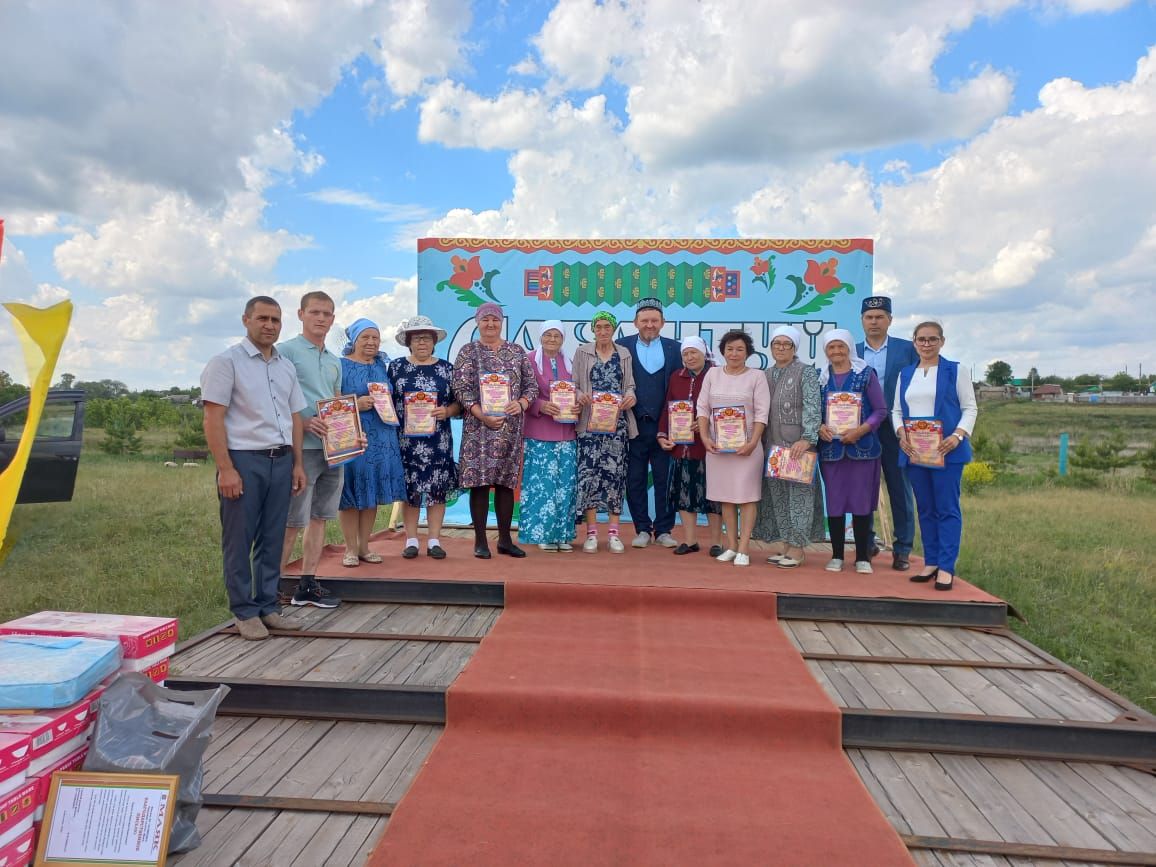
point(603, 366)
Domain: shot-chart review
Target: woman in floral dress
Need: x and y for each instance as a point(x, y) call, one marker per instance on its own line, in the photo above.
point(603, 366)
point(548, 480)
point(430, 472)
point(492, 444)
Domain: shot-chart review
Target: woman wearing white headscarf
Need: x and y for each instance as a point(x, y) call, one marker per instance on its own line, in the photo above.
point(849, 460)
point(790, 513)
point(550, 471)
point(688, 469)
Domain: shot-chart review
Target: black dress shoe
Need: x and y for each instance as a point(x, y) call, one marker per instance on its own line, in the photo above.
point(687, 549)
point(435, 551)
point(482, 552)
point(510, 550)
point(923, 579)
point(715, 550)
point(900, 563)
point(945, 586)
point(410, 552)
point(874, 550)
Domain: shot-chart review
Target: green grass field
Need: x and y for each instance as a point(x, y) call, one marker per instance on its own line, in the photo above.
point(1078, 563)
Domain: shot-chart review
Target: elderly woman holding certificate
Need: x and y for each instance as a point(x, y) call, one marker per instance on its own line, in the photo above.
point(604, 377)
point(549, 494)
point(850, 451)
point(791, 511)
point(375, 477)
point(495, 384)
point(425, 401)
point(932, 398)
point(732, 415)
point(678, 434)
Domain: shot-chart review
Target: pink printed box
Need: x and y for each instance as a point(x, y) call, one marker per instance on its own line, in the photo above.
point(74, 761)
point(15, 754)
point(49, 729)
point(19, 852)
point(139, 637)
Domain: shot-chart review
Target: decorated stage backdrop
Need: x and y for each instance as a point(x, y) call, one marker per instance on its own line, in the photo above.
point(707, 286)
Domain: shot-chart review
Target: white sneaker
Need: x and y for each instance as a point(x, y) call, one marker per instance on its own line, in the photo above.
point(742, 560)
point(863, 567)
point(616, 546)
point(667, 541)
point(590, 546)
point(775, 558)
point(726, 556)
point(641, 541)
point(548, 546)
point(565, 547)
point(834, 565)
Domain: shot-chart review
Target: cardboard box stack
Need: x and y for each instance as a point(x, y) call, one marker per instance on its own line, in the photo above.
point(35, 744)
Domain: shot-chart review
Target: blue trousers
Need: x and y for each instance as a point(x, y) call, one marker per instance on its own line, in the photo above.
point(898, 491)
point(253, 532)
point(646, 455)
point(940, 520)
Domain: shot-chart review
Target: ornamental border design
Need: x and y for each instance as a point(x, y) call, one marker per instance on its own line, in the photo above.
point(661, 245)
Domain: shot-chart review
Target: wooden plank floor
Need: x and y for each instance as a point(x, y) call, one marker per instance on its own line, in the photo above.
point(325, 760)
point(1104, 808)
point(855, 681)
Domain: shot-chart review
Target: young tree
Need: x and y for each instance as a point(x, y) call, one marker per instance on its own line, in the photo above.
point(998, 373)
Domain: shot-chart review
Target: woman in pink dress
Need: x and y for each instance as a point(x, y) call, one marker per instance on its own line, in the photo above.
point(734, 479)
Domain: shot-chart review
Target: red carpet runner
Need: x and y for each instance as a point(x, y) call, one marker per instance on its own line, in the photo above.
point(638, 726)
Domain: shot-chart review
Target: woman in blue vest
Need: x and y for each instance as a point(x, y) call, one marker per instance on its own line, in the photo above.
point(934, 389)
point(849, 456)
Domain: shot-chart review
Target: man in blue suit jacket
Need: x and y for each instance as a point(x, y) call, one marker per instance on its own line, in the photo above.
point(889, 355)
point(654, 359)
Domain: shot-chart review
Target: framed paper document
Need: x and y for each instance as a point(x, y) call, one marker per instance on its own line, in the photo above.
point(730, 427)
point(604, 412)
point(924, 435)
point(494, 393)
point(419, 417)
point(564, 395)
point(107, 819)
point(844, 412)
point(780, 465)
point(681, 416)
point(382, 396)
point(342, 442)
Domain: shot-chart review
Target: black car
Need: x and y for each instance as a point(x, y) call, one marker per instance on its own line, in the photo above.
point(51, 473)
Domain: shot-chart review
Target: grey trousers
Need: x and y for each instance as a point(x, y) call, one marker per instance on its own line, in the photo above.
point(253, 532)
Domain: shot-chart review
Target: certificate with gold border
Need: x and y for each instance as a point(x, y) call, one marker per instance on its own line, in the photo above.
point(924, 436)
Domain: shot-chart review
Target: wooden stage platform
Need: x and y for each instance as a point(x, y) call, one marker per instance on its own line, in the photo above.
point(978, 747)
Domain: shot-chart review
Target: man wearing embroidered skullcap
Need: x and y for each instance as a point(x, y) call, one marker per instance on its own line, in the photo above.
point(888, 355)
point(654, 360)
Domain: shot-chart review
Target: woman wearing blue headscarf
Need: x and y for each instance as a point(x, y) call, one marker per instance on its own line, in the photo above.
point(374, 478)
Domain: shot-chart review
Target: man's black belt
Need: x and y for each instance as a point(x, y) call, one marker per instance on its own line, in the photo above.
point(275, 452)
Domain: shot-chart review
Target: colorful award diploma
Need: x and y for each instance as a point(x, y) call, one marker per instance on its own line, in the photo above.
point(564, 395)
point(924, 435)
point(342, 442)
point(681, 416)
point(604, 412)
point(494, 393)
point(419, 417)
point(844, 412)
point(383, 402)
point(780, 465)
point(730, 427)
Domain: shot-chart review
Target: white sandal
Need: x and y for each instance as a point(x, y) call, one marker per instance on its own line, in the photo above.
point(349, 560)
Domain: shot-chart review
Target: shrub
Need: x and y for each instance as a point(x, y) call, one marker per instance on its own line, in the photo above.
point(993, 450)
point(1105, 455)
point(976, 475)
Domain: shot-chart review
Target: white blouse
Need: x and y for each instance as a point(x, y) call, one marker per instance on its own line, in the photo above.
point(921, 400)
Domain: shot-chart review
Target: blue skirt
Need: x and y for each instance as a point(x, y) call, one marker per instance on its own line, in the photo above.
point(549, 492)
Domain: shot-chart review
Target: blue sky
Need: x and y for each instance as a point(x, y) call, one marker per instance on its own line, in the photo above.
point(318, 144)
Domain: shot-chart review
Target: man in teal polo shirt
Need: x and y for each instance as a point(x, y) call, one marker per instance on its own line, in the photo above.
point(319, 372)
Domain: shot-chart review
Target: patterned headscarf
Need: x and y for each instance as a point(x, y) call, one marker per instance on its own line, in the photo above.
point(489, 309)
point(604, 315)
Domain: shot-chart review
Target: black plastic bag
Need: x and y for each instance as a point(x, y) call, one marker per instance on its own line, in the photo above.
point(142, 727)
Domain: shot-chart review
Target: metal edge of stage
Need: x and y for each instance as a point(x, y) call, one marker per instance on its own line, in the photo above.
point(409, 590)
point(860, 609)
